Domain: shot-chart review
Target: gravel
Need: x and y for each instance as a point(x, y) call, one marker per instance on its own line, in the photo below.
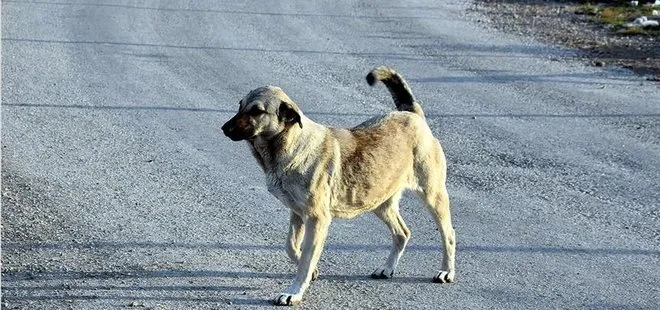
point(557, 23)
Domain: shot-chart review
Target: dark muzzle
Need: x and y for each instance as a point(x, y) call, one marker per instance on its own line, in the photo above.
point(235, 132)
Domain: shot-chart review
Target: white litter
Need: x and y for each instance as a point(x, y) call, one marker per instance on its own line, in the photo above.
point(642, 21)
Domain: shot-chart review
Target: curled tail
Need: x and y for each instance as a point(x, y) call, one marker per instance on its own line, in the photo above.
point(399, 89)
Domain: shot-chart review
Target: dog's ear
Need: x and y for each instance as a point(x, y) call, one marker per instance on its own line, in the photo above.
point(290, 113)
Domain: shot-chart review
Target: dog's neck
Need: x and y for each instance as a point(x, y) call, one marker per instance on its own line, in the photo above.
point(286, 150)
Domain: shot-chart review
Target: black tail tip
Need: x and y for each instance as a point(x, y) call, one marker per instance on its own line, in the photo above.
point(371, 79)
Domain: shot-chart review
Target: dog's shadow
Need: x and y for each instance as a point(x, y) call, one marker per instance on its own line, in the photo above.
point(367, 278)
point(24, 277)
point(173, 283)
point(38, 286)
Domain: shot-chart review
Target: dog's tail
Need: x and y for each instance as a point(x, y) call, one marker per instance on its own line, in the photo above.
point(401, 93)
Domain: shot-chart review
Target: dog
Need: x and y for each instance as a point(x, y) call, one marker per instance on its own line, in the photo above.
point(322, 173)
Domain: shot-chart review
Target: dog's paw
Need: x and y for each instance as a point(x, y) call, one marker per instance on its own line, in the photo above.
point(382, 273)
point(444, 277)
point(285, 299)
point(315, 274)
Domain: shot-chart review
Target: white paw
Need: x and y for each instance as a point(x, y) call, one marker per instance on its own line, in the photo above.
point(382, 273)
point(445, 277)
point(288, 299)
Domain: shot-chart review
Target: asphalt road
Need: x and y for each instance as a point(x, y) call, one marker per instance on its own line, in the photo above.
point(119, 189)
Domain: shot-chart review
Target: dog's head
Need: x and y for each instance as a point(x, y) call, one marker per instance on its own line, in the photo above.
point(265, 112)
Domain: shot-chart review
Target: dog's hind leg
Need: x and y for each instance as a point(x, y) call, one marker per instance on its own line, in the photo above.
point(388, 212)
point(294, 240)
point(437, 202)
point(438, 205)
point(431, 174)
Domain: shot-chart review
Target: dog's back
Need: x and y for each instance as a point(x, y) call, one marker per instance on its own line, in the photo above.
point(381, 156)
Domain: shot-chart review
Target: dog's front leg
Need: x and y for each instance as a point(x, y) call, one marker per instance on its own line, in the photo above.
point(316, 231)
point(294, 240)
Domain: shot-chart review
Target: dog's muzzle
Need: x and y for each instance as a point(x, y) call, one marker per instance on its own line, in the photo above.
point(229, 129)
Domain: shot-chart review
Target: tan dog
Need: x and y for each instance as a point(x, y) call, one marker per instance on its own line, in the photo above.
point(321, 172)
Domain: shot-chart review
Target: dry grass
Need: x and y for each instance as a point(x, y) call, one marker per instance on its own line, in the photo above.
point(577, 24)
point(618, 14)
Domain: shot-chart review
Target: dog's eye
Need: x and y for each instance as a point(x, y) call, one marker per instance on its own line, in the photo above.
point(255, 112)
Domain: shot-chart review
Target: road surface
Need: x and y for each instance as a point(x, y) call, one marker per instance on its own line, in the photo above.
point(119, 189)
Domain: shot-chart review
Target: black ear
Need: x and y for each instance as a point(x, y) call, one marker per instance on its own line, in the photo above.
point(289, 113)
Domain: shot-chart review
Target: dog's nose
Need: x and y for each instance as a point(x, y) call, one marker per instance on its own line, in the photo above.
point(227, 128)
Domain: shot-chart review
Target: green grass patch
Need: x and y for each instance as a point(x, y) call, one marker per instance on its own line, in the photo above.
point(619, 13)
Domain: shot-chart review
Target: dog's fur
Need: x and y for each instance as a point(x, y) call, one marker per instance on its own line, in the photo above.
point(321, 172)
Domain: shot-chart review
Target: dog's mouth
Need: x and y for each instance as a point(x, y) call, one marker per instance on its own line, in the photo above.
point(237, 136)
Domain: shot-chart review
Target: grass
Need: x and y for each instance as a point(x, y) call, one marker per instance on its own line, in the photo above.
point(619, 13)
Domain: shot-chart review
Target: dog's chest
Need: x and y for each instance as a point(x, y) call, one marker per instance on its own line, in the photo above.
point(288, 189)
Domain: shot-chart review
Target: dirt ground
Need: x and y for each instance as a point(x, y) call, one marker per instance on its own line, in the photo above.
point(563, 23)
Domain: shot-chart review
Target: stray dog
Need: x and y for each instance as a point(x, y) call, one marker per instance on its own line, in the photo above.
point(322, 172)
